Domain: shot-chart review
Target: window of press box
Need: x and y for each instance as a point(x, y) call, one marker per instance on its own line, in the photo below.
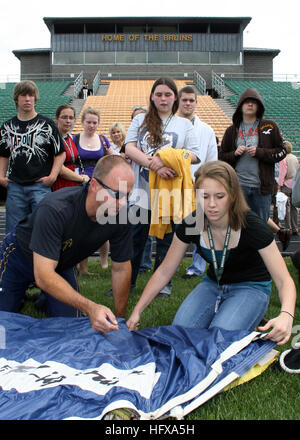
point(225, 58)
point(131, 57)
point(100, 57)
point(189, 57)
point(68, 58)
point(163, 57)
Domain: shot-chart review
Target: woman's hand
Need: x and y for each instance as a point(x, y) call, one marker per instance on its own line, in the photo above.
point(281, 328)
point(133, 321)
point(85, 178)
point(166, 173)
point(156, 163)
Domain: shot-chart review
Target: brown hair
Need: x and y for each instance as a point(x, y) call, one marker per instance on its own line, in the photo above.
point(187, 89)
point(23, 88)
point(225, 174)
point(152, 121)
point(64, 107)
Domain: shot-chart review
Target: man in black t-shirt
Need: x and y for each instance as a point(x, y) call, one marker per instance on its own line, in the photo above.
point(31, 155)
point(67, 226)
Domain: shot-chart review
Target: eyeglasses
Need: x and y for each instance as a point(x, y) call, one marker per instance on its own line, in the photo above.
point(67, 117)
point(115, 194)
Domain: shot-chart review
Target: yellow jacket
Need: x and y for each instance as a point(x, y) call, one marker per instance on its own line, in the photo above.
point(171, 199)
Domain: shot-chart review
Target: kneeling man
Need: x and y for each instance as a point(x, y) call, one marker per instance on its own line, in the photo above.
point(67, 226)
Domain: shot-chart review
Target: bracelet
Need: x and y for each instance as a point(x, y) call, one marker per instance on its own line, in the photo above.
point(283, 311)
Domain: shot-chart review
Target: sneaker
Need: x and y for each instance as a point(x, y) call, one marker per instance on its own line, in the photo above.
point(165, 291)
point(110, 292)
point(41, 303)
point(284, 237)
point(32, 296)
point(290, 360)
point(189, 275)
point(122, 414)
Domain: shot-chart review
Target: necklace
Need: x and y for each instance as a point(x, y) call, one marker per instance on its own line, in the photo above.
point(218, 269)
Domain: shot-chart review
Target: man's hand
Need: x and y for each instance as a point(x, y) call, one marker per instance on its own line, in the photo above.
point(47, 180)
point(240, 150)
point(102, 319)
point(4, 181)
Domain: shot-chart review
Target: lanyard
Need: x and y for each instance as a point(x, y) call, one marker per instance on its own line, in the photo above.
point(166, 123)
point(67, 142)
point(218, 269)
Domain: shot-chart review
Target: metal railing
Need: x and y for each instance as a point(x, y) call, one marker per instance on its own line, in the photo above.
point(50, 76)
point(96, 82)
point(287, 77)
point(78, 84)
point(218, 84)
point(200, 83)
point(108, 76)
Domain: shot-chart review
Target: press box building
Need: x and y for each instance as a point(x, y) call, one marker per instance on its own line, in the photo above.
point(141, 46)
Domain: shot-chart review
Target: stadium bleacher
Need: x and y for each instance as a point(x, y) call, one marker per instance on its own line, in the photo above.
point(281, 100)
point(122, 96)
point(50, 98)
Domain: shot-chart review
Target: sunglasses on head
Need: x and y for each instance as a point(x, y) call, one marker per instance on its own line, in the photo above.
point(115, 194)
point(139, 108)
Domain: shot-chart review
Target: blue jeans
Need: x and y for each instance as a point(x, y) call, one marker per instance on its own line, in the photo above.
point(140, 233)
point(242, 307)
point(21, 201)
point(259, 203)
point(198, 265)
point(139, 238)
point(146, 262)
point(16, 274)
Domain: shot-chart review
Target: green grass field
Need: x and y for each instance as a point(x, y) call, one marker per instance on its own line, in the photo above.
point(274, 395)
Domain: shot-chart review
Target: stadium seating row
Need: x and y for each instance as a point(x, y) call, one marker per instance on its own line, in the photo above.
point(122, 96)
point(281, 101)
point(50, 98)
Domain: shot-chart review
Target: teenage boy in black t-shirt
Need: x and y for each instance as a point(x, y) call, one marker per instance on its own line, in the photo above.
point(66, 227)
point(31, 155)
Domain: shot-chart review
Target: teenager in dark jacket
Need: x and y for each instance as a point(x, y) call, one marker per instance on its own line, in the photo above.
point(252, 145)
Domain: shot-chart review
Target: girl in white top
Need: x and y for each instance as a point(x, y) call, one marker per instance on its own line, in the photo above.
point(148, 133)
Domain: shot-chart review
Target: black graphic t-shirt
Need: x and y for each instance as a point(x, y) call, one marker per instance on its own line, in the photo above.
point(31, 147)
point(60, 229)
